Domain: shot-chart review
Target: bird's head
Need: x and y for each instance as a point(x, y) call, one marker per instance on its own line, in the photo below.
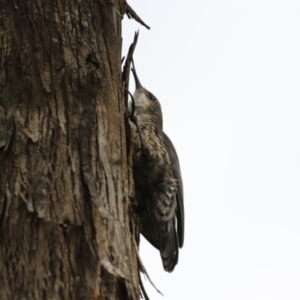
point(147, 106)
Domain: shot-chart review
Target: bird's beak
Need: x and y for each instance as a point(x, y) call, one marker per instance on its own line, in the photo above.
point(136, 79)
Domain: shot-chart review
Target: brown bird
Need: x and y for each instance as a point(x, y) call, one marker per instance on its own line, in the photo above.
point(157, 177)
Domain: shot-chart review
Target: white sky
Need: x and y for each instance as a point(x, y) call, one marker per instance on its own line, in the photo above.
point(227, 74)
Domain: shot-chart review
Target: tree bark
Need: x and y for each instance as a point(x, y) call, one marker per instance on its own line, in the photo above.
point(67, 226)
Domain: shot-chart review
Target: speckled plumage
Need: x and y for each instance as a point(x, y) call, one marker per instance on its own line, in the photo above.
point(157, 177)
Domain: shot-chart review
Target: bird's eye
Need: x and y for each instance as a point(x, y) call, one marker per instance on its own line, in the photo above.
point(152, 97)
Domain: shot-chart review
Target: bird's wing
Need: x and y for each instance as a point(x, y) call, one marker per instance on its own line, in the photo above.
point(179, 197)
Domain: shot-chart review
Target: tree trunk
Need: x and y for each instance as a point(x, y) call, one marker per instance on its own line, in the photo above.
point(67, 227)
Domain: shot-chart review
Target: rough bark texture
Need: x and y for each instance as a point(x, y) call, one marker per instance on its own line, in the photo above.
point(67, 229)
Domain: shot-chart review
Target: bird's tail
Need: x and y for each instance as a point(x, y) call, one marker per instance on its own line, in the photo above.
point(169, 249)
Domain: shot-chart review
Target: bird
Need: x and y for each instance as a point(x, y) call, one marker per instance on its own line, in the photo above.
point(157, 177)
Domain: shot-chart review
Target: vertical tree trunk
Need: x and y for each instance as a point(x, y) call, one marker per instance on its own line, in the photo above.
point(67, 230)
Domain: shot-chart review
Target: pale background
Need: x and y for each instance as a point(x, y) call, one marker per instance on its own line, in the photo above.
point(227, 74)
